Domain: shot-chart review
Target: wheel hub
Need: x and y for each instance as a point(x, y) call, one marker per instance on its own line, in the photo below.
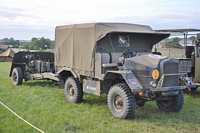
point(71, 91)
point(14, 76)
point(118, 103)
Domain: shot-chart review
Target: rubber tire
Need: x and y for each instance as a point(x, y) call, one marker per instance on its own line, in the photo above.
point(128, 101)
point(175, 104)
point(17, 76)
point(77, 90)
point(140, 104)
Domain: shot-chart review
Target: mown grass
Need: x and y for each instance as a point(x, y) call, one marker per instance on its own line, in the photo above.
point(44, 106)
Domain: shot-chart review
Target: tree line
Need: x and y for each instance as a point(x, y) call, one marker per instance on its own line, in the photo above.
point(34, 44)
point(175, 40)
point(38, 44)
point(45, 43)
point(11, 41)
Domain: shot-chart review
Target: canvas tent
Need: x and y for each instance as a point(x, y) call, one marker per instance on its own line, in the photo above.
point(1, 50)
point(75, 44)
point(7, 56)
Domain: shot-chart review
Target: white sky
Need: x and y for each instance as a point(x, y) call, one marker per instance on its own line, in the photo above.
point(24, 19)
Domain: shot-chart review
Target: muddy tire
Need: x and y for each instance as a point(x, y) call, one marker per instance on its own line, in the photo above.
point(173, 105)
point(17, 76)
point(73, 90)
point(121, 101)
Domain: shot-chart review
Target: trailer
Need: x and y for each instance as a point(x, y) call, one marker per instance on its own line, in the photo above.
point(32, 66)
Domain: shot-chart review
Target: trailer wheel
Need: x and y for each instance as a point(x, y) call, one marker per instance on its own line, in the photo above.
point(121, 101)
point(172, 105)
point(73, 90)
point(17, 76)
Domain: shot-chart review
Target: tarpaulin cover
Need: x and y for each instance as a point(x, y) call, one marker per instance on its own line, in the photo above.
point(75, 44)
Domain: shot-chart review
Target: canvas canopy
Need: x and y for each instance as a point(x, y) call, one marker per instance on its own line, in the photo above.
point(75, 44)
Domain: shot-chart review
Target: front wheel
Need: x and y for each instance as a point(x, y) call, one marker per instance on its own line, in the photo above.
point(121, 101)
point(174, 104)
point(73, 90)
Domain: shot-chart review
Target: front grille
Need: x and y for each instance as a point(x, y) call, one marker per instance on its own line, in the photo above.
point(170, 68)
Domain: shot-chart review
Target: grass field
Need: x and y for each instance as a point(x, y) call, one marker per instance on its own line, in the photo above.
point(44, 106)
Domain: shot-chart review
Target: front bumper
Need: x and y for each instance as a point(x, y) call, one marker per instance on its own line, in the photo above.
point(171, 88)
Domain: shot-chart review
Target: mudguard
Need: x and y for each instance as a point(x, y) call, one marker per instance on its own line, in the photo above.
point(67, 69)
point(128, 76)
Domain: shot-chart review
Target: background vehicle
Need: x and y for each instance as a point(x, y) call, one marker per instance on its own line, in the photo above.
point(190, 52)
point(116, 59)
point(193, 52)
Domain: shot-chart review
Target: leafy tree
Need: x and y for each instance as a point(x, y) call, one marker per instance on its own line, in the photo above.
point(42, 43)
point(10, 41)
point(192, 38)
point(26, 45)
point(176, 39)
point(5, 41)
point(33, 39)
point(172, 43)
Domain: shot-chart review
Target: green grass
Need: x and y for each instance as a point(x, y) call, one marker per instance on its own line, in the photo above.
point(45, 106)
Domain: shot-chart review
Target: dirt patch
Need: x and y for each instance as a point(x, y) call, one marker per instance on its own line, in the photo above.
point(70, 127)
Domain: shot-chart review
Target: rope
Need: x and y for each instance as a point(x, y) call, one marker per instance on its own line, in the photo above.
point(22, 118)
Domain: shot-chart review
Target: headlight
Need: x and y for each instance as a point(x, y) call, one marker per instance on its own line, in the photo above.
point(153, 84)
point(155, 74)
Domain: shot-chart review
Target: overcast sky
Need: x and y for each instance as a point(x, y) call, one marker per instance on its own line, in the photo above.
point(24, 19)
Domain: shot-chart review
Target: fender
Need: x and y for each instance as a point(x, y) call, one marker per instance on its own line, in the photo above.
point(69, 70)
point(128, 76)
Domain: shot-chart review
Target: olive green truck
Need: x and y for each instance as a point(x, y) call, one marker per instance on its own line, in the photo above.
point(110, 58)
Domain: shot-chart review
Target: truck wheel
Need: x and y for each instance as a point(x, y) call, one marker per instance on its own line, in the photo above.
point(73, 90)
point(17, 76)
point(121, 101)
point(173, 105)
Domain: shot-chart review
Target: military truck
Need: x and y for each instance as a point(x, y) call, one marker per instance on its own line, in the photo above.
point(113, 59)
point(193, 52)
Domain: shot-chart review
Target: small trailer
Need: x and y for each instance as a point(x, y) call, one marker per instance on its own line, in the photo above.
point(32, 66)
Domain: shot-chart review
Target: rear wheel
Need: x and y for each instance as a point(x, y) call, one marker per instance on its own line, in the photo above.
point(73, 90)
point(121, 101)
point(174, 104)
point(17, 76)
